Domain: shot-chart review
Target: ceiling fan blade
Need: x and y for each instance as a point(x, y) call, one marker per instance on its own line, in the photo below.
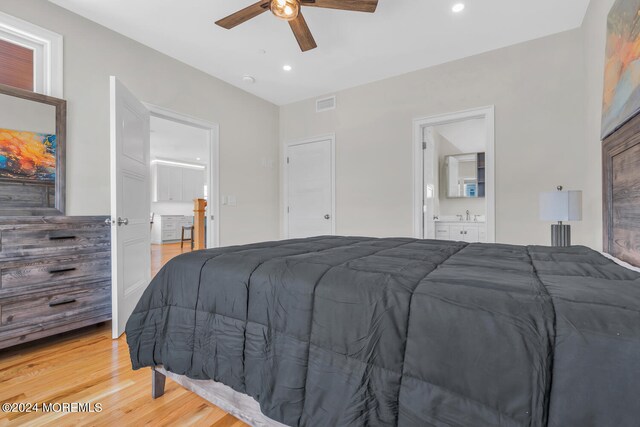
point(354, 5)
point(244, 15)
point(302, 33)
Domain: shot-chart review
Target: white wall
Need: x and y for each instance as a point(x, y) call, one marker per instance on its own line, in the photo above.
point(547, 94)
point(248, 125)
point(538, 89)
point(594, 31)
point(468, 136)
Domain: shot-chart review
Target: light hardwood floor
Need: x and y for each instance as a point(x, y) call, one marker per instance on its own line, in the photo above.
point(88, 366)
point(160, 254)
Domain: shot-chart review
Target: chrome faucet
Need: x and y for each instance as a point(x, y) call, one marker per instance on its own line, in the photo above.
point(468, 215)
point(460, 217)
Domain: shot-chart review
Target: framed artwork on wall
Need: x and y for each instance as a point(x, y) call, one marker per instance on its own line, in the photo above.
point(621, 98)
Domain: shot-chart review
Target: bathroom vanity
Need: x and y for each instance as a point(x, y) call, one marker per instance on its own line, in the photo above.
point(463, 231)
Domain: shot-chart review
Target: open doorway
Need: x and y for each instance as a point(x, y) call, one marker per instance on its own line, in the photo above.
point(133, 189)
point(454, 177)
point(184, 168)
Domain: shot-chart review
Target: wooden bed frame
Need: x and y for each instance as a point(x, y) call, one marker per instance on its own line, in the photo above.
point(621, 186)
point(241, 406)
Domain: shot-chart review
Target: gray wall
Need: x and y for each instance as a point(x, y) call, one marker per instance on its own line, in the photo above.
point(538, 89)
point(248, 125)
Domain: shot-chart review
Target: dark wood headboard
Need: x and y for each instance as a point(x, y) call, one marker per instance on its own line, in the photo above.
point(621, 179)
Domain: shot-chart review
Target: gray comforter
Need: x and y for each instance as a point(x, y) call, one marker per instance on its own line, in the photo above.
point(335, 331)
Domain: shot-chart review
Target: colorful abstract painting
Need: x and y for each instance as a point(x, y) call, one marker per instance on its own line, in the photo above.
point(621, 99)
point(27, 156)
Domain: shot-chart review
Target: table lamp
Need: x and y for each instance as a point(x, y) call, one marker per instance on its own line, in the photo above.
point(561, 206)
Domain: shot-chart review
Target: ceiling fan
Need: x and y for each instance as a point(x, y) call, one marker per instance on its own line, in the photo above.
point(289, 10)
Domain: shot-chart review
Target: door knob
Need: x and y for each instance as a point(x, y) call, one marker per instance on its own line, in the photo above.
point(327, 216)
point(123, 221)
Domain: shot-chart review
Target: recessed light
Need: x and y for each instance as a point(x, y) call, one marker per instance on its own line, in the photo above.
point(287, 68)
point(248, 79)
point(458, 7)
point(197, 158)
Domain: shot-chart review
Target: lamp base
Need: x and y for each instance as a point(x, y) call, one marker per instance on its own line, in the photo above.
point(560, 235)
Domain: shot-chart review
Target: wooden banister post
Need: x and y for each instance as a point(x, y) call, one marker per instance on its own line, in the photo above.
point(199, 218)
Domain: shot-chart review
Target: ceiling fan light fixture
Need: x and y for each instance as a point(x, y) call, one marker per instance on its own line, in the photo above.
point(287, 10)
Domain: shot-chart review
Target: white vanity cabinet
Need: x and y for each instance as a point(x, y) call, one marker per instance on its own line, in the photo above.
point(472, 232)
point(443, 232)
point(168, 228)
point(177, 184)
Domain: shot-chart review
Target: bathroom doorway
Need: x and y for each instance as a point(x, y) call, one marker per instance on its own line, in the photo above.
point(454, 186)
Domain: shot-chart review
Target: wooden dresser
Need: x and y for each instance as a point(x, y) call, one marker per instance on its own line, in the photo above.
point(55, 276)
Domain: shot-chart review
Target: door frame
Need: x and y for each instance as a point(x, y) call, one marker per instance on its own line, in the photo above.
point(213, 198)
point(285, 182)
point(488, 114)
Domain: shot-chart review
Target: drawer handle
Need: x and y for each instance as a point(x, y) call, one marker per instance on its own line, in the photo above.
point(62, 237)
point(62, 270)
point(62, 302)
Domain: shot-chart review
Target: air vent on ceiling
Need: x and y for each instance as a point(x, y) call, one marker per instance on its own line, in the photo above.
point(326, 104)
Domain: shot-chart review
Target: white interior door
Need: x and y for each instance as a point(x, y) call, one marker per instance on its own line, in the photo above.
point(310, 210)
point(130, 201)
point(430, 183)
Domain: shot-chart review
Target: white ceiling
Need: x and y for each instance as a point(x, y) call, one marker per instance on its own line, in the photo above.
point(353, 48)
point(469, 136)
point(175, 141)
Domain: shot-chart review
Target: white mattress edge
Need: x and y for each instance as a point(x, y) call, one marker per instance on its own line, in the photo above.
point(620, 262)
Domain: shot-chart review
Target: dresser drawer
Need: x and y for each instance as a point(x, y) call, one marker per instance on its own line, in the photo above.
point(34, 276)
point(169, 225)
point(53, 239)
point(54, 307)
point(55, 275)
point(170, 235)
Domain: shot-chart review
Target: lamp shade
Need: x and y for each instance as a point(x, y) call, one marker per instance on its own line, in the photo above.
point(561, 206)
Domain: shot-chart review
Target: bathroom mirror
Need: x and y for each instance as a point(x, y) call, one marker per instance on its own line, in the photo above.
point(32, 153)
point(464, 175)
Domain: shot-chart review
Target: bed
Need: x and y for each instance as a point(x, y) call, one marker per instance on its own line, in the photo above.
point(361, 331)
point(357, 331)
